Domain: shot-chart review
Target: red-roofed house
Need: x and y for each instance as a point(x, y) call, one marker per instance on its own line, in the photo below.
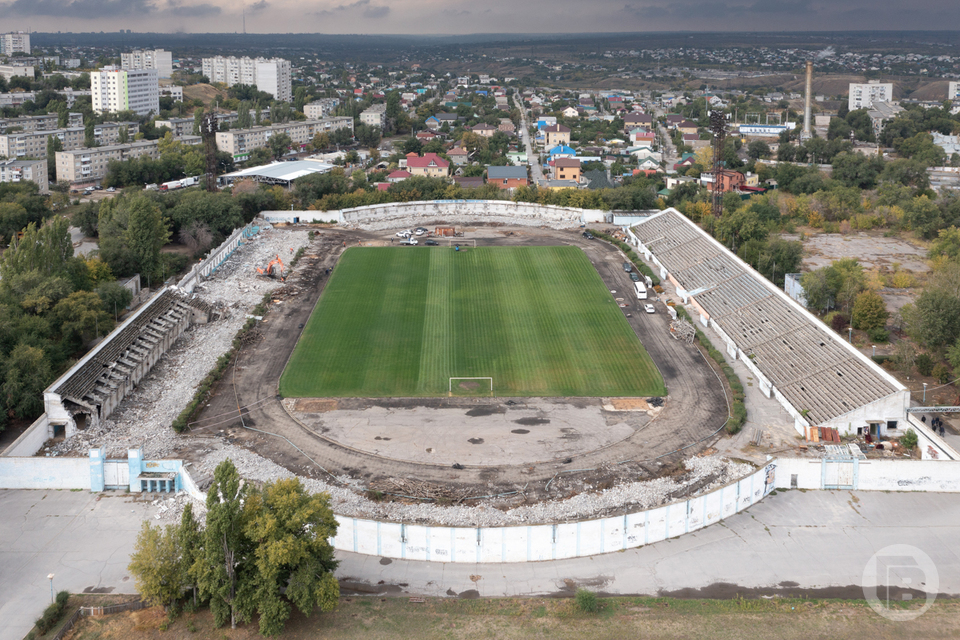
point(429, 164)
point(398, 176)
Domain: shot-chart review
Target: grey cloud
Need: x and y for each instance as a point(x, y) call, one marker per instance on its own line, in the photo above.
point(257, 6)
point(368, 10)
point(79, 8)
point(193, 10)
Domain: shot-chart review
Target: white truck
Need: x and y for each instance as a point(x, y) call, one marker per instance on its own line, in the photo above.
point(410, 240)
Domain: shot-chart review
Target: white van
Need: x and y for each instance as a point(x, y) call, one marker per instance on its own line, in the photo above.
point(641, 290)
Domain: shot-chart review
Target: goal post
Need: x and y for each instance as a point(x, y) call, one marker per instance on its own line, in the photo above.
point(463, 242)
point(452, 378)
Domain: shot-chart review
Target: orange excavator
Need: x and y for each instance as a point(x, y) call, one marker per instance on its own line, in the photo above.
point(274, 269)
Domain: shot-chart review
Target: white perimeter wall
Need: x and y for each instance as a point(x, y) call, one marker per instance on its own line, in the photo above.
point(30, 440)
point(548, 541)
point(875, 475)
point(44, 473)
point(452, 212)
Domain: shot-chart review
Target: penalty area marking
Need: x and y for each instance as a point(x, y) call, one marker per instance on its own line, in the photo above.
point(452, 378)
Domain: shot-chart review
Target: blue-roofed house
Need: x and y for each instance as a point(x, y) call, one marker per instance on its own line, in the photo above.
point(561, 151)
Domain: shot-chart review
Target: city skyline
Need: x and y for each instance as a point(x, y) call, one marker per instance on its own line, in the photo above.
point(432, 17)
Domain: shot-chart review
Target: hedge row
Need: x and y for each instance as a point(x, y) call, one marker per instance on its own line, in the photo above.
point(52, 614)
point(205, 388)
point(738, 410)
point(631, 255)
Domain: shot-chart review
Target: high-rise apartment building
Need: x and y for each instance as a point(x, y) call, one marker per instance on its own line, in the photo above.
point(15, 42)
point(125, 90)
point(953, 91)
point(272, 76)
point(863, 95)
point(157, 59)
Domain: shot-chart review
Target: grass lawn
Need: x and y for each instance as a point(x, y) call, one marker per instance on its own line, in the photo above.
point(400, 321)
point(375, 618)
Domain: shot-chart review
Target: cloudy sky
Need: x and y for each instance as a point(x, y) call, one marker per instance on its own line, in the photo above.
point(470, 16)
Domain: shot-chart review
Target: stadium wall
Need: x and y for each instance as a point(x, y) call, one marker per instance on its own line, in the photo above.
point(456, 212)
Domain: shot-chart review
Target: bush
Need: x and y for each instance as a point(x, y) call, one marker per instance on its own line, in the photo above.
point(880, 335)
point(587, 601)
point(52, 614)
point(941, 372)
point(909, 439)
point(924, 364)
point(839, 322)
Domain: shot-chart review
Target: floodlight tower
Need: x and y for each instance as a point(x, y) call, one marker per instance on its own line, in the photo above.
point(718, 125)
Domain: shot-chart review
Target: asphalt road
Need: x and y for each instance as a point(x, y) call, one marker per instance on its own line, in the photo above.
point(532, 159)
point(814, 544)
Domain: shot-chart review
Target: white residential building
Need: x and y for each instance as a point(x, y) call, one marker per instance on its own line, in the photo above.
point(157, 59)
point(117, 90)
point(9, 71)
point(953, 91)
point(320, 108)
point(272, 76)
point(863, 95)
point(15, 42)
point(375, 116)
point(23, 170)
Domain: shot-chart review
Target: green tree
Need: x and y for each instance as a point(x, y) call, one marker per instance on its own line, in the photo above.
point(123, 136)
point(947, 244)
point(190, 539)
point(89, 137)
point(132, 232)
point(197, 120)
point(934, 320)
point(156, 565)
point(223, 572)
point(279, 145)
point(291, 530)
point(115, 297)
point(869, 311)
point(80, 315)
point(27, 374)
point(54, 144)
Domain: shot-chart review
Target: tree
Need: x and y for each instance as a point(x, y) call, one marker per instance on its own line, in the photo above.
point(81, 314)
point(132, 232)
point(115, 296)
point(869, 311)
point(54, 144)
point(947, 244)
point(279, 144)
point(222, 572)
point(27, 375)
point(934, 320)
point(123, 136)
point(291, 530)
point(758, 149)
point(156, 565)
point(190, 540)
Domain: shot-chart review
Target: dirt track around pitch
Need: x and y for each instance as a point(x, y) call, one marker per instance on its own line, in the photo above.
point(622, 445)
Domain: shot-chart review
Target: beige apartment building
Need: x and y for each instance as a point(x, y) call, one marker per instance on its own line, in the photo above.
point(375, 116)
point(47, 122)
point(33, 144)
point(272, 76)
point(90, 164)
point(23, 170)
point(240, 142)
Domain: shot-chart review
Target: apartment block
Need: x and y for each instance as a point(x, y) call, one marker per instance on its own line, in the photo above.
point(90, 164)
point(270, 75)
point(320, 108)
point(172, 91)
point(116, 89)
point(23, 170)
point(953, 90)
point(157, 59)
point(240, 142)
point(181, 127)
point(46, 122)
point(17, 98)
point(33, 144)
point(863, 95)
point(14, 42)
point(11, 71)
point(375, 116)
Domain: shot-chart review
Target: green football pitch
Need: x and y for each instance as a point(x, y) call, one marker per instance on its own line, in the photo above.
point(401, 321)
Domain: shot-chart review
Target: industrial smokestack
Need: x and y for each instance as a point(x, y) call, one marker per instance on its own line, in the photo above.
point(806, 100)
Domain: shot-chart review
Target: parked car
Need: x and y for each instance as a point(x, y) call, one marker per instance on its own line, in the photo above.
point(627, 267)
point(431, 243)
point(111, 189)
point(404, 234)
point(420, 231)
point(635, 276)
point(648, 308)
point(588, 235)
point(411, 241)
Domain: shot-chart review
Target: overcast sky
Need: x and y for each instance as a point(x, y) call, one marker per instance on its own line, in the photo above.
point(471, 16)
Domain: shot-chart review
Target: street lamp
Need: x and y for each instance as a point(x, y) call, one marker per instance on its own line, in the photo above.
point(50, 578)
point(874, 350)
point(924, 393)
point(850, 337)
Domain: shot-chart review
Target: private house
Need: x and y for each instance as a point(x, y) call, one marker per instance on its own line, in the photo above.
point(726, 180)
point(570, 112)
point(686, 126)
point(507, 177)
point(484, 130)
point(429, 164)
point(561, 151)
point(642, 136)
point(693, 141)
point(566, 169)
point(633, 120)
point(507, 126)
point(398, 176)
point(556, 134)
point(458, 155)
point(687, 160)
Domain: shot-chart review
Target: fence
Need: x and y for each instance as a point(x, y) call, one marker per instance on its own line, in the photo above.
point(217, 257)
point(97, 611)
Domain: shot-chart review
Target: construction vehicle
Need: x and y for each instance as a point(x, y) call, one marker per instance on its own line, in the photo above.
point(274, 269)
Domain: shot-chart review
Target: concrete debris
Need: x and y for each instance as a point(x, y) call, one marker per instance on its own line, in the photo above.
point(144, 417)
